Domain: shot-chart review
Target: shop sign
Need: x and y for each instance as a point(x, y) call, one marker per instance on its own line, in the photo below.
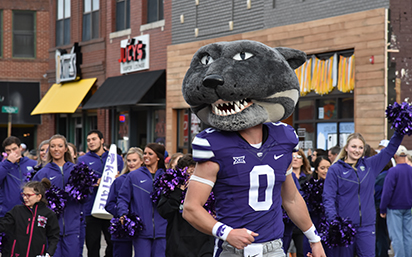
point(134, 54)
point(68, 64)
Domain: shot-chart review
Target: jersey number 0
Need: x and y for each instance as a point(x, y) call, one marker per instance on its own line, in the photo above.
point(268, 172)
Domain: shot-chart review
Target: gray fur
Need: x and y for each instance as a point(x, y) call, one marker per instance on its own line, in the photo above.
point(267, 79)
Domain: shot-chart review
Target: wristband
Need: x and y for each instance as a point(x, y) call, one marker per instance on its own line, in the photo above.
point(221, 230)
point(312, 235)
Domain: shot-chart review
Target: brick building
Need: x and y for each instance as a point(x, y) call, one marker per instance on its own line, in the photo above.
point(113, 93)
point(369, 38)
point(24, 40)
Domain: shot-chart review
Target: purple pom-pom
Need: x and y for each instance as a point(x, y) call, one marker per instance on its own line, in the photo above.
point(400, 116)
point(131, 226)
point(81, 182)
point(338, 232)
point(3, 240)
point(312, 193)
point(57, 199)
point(167, 182)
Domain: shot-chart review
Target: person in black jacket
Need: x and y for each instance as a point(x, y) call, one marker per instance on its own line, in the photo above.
point(34, 225)
point(181, 238)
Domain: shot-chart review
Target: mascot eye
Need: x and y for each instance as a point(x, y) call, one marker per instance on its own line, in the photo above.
point(206, 60)
point(242, 56)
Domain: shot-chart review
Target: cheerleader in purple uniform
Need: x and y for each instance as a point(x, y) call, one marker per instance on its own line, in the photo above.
point(57, 170)
point(123, 247)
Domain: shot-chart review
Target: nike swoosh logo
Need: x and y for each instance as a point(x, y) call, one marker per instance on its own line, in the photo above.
point(90, 163)
point(142, 181)
point(253, 255)
point(346, 172)
point(277, 157)
point(51, 178)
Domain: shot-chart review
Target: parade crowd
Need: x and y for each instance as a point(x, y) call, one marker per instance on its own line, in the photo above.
point(378, 188)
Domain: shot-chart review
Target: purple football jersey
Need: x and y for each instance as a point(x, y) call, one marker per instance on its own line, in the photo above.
point(248, 184)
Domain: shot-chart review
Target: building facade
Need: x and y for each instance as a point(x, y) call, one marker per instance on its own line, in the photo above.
point(353, 72)
point(24, 40)
point(106, 70)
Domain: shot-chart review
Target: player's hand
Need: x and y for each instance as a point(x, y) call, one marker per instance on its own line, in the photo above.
point(317, 250)
point(13, 157)
point(241, 237)
point(383, 215)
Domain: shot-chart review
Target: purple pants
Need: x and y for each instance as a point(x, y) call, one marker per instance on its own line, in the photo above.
point(363, 246)
point(147, 247)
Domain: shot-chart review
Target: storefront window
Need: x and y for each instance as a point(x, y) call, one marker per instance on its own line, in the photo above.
point(324, 121)
point(160, 126)
point(189, 125)
point(123, 131)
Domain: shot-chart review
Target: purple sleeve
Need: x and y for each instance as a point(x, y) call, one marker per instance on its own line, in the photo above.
point(379, 161)
point(124, 197)
point(330, 192)
point(112, 199)
point(4, 169)
point(119, 163)
point(388, 188)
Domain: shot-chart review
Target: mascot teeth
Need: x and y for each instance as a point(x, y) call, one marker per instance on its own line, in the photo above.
point(225, 109)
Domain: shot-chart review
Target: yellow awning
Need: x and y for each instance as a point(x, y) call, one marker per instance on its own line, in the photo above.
point(64, 98)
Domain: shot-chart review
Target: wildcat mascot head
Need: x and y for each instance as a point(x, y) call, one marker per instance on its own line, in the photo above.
point(237, 85)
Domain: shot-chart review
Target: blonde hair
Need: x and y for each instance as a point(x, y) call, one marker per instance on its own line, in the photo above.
point(343, 155)
point(132, 150)
point(67, 156)
point(173, 159)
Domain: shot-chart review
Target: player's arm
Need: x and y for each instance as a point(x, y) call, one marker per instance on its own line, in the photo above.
point(297, 211)
point(198, 192)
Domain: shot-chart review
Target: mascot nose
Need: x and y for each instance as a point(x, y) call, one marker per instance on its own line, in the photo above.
point(213, 81)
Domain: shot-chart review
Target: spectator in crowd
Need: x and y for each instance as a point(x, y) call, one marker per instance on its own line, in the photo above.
point(23, 148)
point(42, 154)
point(32, 154)
point(13, 172)
point(396, 204)
point(181, 238)
point(382, 144)
point(321, 165)
point(57, 170)
point(383, 242)
point(301, 168)
point(315, 154)
point(173, 160)
point(133, 160)
point(348, 192)
point(33, 216)
point(333, 153)
point(96, 158)
point(409, 160)
point(151, 241)
point(73, 151)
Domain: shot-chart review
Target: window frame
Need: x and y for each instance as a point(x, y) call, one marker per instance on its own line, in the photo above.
point(159, 11)
point(92, 34)
point(335, 95)
point(64, 19)
point(125, 14)
point(34, 34)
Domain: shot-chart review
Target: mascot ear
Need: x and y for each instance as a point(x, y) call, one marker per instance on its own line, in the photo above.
point(294, 57)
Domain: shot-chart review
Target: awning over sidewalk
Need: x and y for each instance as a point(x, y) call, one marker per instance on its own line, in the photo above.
point(123, 90)
point(64, 98)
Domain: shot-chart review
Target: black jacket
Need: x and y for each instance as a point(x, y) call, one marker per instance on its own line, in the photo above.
point(182, 240)
point(35, 230)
